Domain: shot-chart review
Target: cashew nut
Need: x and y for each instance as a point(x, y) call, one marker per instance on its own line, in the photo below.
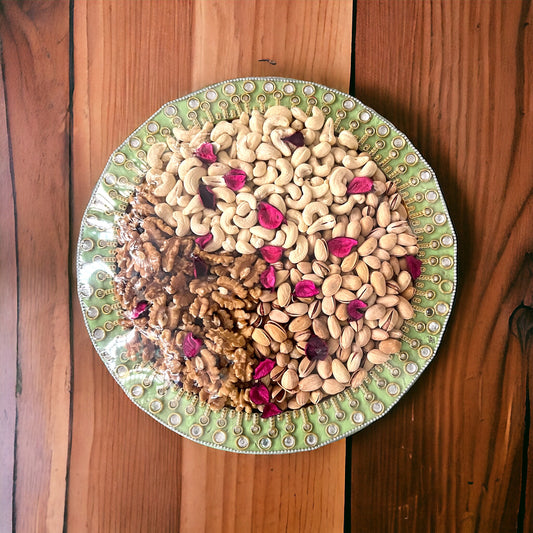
point(196, 224)
point(338, 180)
point(174, 163)
point(183, 135)
point(323, 223)
point(303, 171)
point(248, 198)
point(321, 149)
point(153, 157)
point(291, 233)
point(300, 252)
point(226, 221)
point(229, 244)
point(218, 238)
point(244, 247)
point(187, 164)
point(191, 180)
point(312, 209)
point(277, 201)
point(305, 198)
point(279, 239)
point(223, 193)
point(278, 110)
point(194, 206)
point(270, 176)
point(316, 121)
point(256, 121)
point(175, 193)
point(286, 172)
point(282, 146)
point(264, 191)
point(345, 208)
point(182, 223)
point(243, 209)
point(368, 169)
point(328, 132)
point(222, 127)
point(347, 138)
point(165, 212)
point(298, 114)
point(300, 155)
point(260, 168)
point(275, 121)
point(263, 233)
point(166, 183)
point(256, 242)
point(214, 181)
point(243, 152)
point(246, 222)
point(297, 217)
point(319, 190)
point(266, 151)
point(253, 140)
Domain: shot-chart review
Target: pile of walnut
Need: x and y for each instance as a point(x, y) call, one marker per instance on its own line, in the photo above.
point(155, 270)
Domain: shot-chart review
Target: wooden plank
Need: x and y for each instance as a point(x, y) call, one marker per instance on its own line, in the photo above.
point(35, 55)
point(115, 447)
point(449, 456)
point(8, 324)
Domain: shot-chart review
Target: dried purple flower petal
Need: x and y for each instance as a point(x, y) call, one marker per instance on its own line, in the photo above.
point(204, 240)
point(259, 394)
point(360, 185)
point(271, 254)
point(268, 278)
point(208, 196)
point(206, 153)
point(305, 289)
point(413, 266)
point(269, 217)
point(235, 179)
point(354, 309)
point(341, 246)
point(140, 310)
point(191, 345)
point(264, 368)
point(297, 139)
point(200, 269)
point(270, 409)
point(316, 349)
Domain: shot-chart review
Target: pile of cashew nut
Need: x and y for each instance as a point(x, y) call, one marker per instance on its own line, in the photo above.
point(308, 184)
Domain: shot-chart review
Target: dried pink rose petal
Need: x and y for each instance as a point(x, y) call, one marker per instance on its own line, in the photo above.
point(269, 217)
point(354, 308)
point(271, 254)
point(297, 139)
point(208, 196)
point(199, 267)
point(268, 278)
point(235, 179)
point(206, 153)
point(270, 409)
point(259, 394)
point(204, 240)
point(191, 345)
point(264, 368)
point(305, 289)
point(413, 266)
point(360, 185)
point(316, 349)
point(341, 246)
point(140, 310)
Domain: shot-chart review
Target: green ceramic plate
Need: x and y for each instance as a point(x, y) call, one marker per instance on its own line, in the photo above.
point(334, 418)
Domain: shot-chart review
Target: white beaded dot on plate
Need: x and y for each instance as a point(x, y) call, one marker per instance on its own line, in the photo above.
point(377, 407)
point(431, 196)
point(152, 127)
point(425, 351)
point(219, 437)
point(311, 439)
point(441, 308)
point(119, 158)
point(358, 417)
point(137, 391)
point(329, 97)
point(383, 130)
point(265, 443)
point(446, 262)
point(156, 406)
point(439, 218)
point(365, 116)
point(425, 175)
point(332, 430)
point(194, 103)
point(411, 368)
point(98, 334)
point(393, 389)
point(196, 431)
point(243, 442)
point(289, 441)
point(248, 86)
point(289, 88)
point(447, 240)
point(349, 105)
point(268, 87)
point(229, 88)
point(308, 90)
point(211, 95)
point(410, 159)
point(174, 419)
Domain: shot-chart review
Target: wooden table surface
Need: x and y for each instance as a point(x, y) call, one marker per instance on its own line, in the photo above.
point(456, 454)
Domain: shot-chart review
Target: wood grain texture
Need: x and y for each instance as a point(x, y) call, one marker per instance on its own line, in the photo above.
point(127, 472)
point(36, 74)
point(8, 324)
point(456, 78)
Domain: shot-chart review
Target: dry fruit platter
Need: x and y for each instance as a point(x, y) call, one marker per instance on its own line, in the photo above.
point(266, 265)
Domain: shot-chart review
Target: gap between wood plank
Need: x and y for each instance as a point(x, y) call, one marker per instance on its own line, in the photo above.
point(72, 273)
